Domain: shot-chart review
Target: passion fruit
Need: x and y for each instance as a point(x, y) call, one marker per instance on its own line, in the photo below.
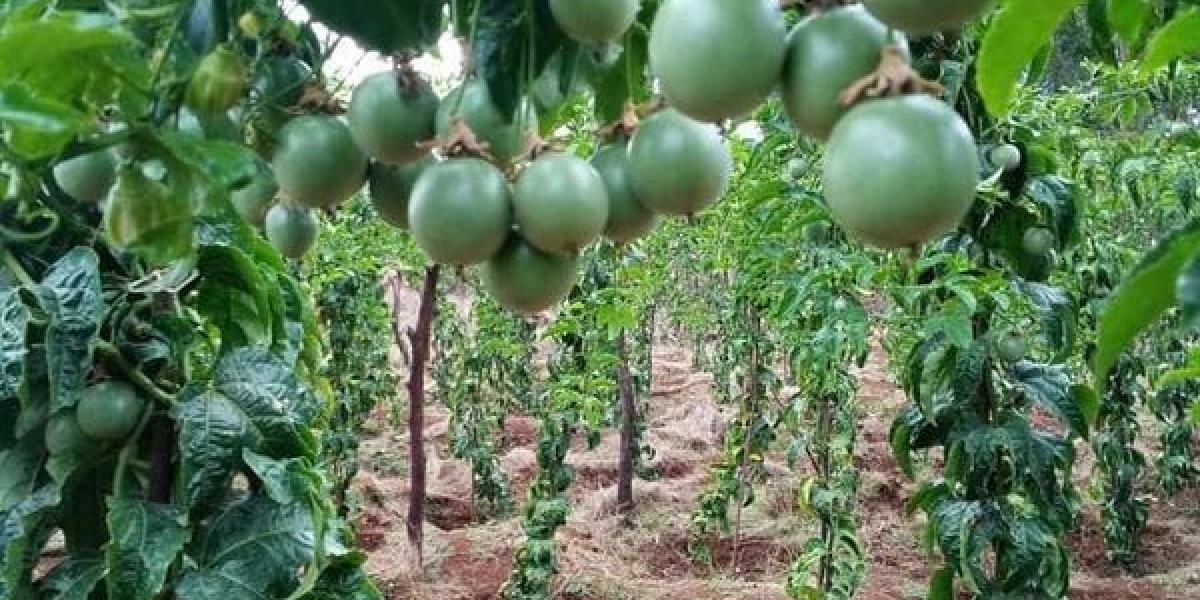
point(64, 437)
point(1010, 347)
point(218, 82)
point(594, 21)
point(389, 119)
point(504, 135)
point(1038, 241)
point(717, 59)
point(900, 170)
point(1004, 156)
point(460, 211)
point(109, 410)
point(526, 280)
point(678, 166)
point(926, 16)
point(390, 187)
point(291, 229)
point(87, 177)
point(560, 203)
point(317, 163)
point(253, 200)
point(628, 218)
point(826, 53)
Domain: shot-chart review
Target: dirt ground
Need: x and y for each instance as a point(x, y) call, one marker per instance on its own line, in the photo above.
point(599, 558)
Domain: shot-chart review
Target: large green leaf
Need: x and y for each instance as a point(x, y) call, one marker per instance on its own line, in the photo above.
point(19, 467)
point(284, 481)
point(387, 26)
point(39, 126)
point(1017, 31)
point(70, 294)
point(1177, 38)
point(24, 530)
point(344, 579)
point(212, 430)
point(252, 551)
point(1142, 298)
point(74, 578)
point(235, 296)
point(1049, 387)
point(1128, 19)
point(14, 318)
point(280, 406)
point(502, 52)
point(625, 80)
point(144, 541)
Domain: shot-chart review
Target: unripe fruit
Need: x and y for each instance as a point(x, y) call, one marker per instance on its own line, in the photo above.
point(678, 166)
point(109, 411)
point(292, 230)
point(560, 203)
point(460, 211)
point(218, 82)
point(389, 121)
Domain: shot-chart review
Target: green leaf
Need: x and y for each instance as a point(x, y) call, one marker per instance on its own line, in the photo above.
point(1179, 37)
point(284, 481)
point(1019, 28)
point(70, 294)
point(39, 126)
point(74, 578)
point(1087, 400)
point(1049, 387)
point(144, 541)
point(344, 579)
point(628, 75)
point(1128, 19)
point(14, 318)
point(235, 296)
point(252, 551)
point(24, 531)
point(19, 466)
point(501, 50)
point(280, 406)
point(941, 585)
point(84, 490)
point(1142, 298)
point(211, 432)
point(221, 162)
point(387, 27)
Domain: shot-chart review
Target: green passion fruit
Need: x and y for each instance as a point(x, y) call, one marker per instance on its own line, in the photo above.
point(460, 211)
point(1004, 156)
point(526, 280)
point(218, 82)
point(900, 171)
point(291, 229)
point(678, 166)
point(389, 119)
point(826, 53)
point(109, 410)
point(1038, 241)
point(253, 200)
point(1010, 347)
point(628, 218)
point(560, 203)
point(317, 163)
point(64, 437)
point(87, 177)
point(390, 187)
point(926, 16)
point(717, 59)
point(594, 21)
point(504, 136)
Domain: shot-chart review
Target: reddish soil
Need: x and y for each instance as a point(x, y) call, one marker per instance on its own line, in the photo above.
point(600, 558)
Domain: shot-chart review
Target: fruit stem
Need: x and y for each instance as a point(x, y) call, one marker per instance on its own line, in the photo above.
point(894, 77)
point(127, 453)
point(136, 377)
point(624, 126)
point(461, 141)
point(535, 146)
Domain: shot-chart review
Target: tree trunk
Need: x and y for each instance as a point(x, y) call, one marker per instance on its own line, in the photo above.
point(419, 343)
point(628, 427)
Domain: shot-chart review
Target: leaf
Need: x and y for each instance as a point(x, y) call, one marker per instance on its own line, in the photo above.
point(19, 466)
point(1142, 298)
point(502, 52)
point(272, 397)
point(1019, 28)
point(74, 578)
point(252, 551)
point(234, 295)
point(1128, 19)
point(284, 481)
point(626, 76)
point(941, 585)
point(1060, 200)
point(1179, 37)
point(221, 162)
point(14, 318)
point(40, 126)
point(389, 27)
point(344, 579)
point(144, 541)
point(211, 432)
point(24, 530)
point(1049, 387)
point(1087, 400)
point(70, 294)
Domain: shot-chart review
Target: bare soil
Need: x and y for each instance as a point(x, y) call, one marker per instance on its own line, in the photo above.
point(600, 558)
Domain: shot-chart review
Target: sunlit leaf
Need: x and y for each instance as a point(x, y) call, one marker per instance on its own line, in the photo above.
point(1017, 31)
